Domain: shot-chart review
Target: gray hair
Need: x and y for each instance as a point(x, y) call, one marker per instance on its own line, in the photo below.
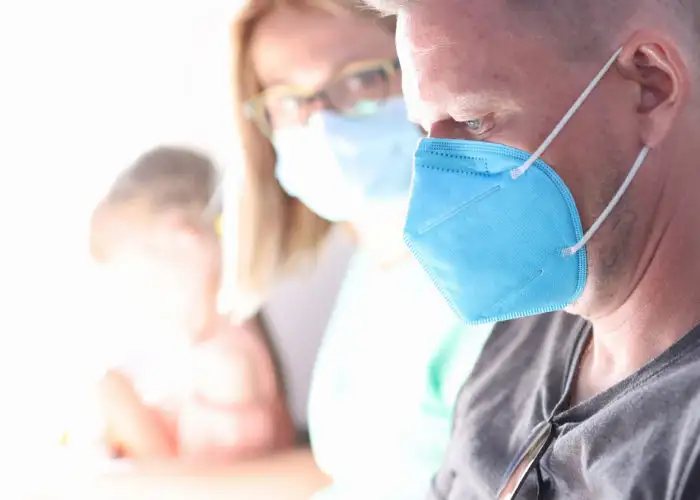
point(585, 25)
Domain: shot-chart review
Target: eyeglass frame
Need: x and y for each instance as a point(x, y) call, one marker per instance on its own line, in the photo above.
point(254, 107)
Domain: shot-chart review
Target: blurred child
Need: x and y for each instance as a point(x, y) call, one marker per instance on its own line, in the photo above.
point(188, 384)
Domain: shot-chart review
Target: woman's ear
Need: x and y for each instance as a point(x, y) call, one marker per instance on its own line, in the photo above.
point(663, 80)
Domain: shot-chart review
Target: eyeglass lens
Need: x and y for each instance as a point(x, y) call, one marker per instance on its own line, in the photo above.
point(355, 93)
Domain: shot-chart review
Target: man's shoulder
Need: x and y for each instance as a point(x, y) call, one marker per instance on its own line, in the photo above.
point(641, 436)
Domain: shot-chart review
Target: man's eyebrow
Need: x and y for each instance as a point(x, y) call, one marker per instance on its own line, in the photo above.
point(470, 105)
point(470, 102)
point(463, 107)
point(388, 7)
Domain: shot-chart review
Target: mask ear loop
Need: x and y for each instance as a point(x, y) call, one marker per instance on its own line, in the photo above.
point(517, 172)
point(567, 252)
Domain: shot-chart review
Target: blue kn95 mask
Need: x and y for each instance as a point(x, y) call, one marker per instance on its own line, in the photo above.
point(497, 229)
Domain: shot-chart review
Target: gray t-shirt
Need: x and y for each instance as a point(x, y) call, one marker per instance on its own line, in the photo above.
point(638, 440)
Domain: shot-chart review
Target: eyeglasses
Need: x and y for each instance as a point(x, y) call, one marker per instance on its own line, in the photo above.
point(358, 90)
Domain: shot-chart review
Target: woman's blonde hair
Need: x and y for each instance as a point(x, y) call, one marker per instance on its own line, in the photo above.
point(277, 233)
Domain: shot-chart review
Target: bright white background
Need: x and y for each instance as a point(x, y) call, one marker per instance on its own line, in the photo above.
point(86, 86)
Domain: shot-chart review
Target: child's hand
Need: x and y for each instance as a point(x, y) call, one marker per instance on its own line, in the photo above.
point(133, 428)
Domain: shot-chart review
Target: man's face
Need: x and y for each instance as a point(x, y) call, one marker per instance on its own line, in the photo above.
point(471, 71)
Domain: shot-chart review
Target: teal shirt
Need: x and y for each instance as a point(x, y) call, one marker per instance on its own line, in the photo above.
point(390, 366)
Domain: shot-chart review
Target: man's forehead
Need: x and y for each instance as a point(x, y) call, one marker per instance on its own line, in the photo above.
point(451, 64)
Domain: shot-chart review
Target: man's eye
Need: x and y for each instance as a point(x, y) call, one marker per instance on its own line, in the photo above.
point(364, 79)
point(480, 126)
point(474, 125)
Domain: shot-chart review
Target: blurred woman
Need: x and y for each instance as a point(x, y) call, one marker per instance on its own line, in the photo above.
point(327, 140)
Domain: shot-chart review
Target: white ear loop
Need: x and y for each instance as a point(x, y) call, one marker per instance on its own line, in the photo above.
point(517, 172)
point(591, 231)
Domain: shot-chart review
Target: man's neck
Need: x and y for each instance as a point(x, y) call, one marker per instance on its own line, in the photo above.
point(664, 306)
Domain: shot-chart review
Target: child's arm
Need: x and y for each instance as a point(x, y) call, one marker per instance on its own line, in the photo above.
point(133, 429)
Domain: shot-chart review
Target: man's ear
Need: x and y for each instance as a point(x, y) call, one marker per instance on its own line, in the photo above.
point(657, 67)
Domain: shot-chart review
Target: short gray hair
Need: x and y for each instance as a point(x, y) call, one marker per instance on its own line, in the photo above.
point(584, 24)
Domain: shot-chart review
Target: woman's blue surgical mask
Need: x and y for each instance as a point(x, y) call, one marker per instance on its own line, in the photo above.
point(497, 229)
point(340, 166)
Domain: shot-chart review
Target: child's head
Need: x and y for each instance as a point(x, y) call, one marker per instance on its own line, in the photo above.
point(155, 237)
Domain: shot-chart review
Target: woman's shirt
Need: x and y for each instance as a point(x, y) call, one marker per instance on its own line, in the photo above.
point(388, 372)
